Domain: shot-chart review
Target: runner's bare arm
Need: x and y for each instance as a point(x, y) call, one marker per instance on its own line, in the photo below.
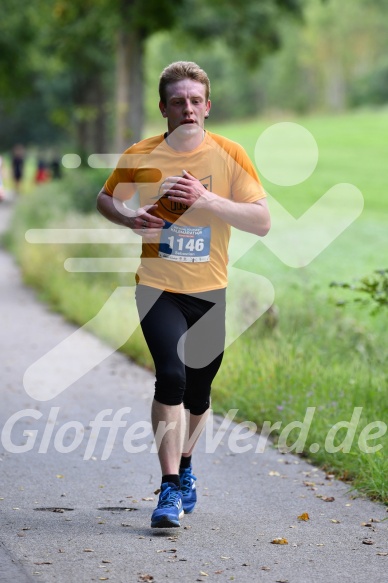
point(252, 217)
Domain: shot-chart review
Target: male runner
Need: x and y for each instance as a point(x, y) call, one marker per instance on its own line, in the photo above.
point(192, 185)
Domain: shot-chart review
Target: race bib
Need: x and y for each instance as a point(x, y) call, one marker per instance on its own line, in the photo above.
point(185, 244)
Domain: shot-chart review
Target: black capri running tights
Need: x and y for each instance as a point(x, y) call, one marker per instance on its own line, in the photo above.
point(185, 335)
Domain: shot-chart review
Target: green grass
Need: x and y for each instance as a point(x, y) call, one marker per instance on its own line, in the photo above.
point(318, 354)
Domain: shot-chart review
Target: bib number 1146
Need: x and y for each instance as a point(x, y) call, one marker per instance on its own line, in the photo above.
point(183, 243)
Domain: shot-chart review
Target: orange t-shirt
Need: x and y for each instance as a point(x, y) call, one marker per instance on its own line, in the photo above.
point(191, 254)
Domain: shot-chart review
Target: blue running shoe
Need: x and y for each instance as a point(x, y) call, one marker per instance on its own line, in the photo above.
point(189, 492)
point(169, 509)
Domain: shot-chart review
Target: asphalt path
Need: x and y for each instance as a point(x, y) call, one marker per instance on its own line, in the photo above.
point(69, 516)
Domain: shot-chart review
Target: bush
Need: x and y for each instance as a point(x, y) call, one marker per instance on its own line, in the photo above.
point(373, 290)
point(372, 88)
point(80, 187)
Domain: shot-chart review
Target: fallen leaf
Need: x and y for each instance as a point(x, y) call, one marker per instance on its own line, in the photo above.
point(304, 516)
point(43, 563)
point(88, 551)
point(145, 577)
point(104, 561)
point(335, 521)
point(309, 484)
point(157, 491)
point(328, 498)
point(368, 541)
point(103, 578)
point(218, 572)
point(148, 499)
point(60, 476)
point(382, 554)
point(375, 520)
point(281, 580)
point(222, 557)
point(203, 573)
point(279, 541)
point(273, 473)
point(265, 568)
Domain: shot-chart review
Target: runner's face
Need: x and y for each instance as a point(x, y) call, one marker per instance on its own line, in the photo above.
point(186, 106)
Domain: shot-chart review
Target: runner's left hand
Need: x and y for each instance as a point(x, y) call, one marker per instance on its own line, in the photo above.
point(185, 189)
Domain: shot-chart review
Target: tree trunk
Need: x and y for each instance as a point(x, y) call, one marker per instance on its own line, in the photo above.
point(99, 133)
point(91, 124)
point(129, 89)
point(335, 86)
point(82, 139)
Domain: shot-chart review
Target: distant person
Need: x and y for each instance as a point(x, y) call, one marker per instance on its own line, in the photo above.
point(42, 173)
point(17, 166)
point(56, 169)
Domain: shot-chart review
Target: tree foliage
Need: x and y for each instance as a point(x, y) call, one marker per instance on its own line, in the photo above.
point(75, 68)
point(17, 35)
point(147, 17)
point(336, 60)
point(251, 28)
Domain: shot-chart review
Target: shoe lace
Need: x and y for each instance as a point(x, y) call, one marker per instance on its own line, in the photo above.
point(186, 478)
point(169, 497)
